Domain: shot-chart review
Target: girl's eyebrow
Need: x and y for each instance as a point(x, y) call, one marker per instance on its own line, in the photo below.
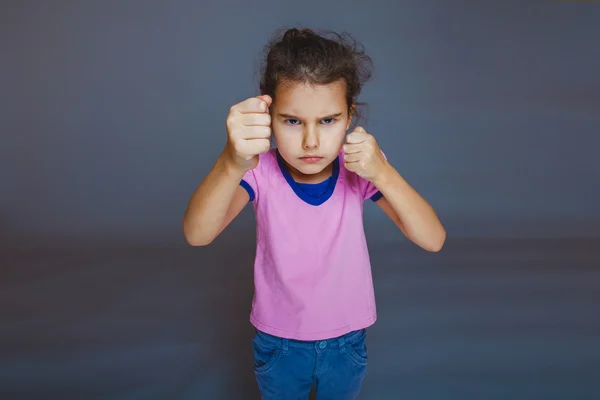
point(289, 116)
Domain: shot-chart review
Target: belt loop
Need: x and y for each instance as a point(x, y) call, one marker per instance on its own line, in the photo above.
point(342, 344)
point(284, 345)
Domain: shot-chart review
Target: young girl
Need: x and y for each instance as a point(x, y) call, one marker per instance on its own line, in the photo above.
point(313, 289)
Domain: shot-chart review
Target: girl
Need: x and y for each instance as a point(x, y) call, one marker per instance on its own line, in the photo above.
point(312, 275)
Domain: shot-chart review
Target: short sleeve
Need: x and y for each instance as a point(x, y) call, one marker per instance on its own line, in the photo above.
point(252, 179)
point(248, 182)
point(370, 191)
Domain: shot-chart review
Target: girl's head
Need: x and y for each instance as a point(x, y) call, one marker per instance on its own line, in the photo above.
point(314, 82)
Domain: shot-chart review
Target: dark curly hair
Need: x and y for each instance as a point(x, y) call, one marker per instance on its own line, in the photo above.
point(308, 57)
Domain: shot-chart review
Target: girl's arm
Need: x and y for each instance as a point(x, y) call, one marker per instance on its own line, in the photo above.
point(220, 198)
point(215, 203)
point(409, 211)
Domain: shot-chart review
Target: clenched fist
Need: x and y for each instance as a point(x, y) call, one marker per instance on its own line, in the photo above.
point(362, 155)
point(249, 130)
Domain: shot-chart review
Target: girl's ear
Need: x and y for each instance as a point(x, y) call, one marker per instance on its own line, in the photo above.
point(351, 114)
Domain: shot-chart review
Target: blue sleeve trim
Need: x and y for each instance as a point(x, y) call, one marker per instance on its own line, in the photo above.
point(377, 196)
point(248, 188)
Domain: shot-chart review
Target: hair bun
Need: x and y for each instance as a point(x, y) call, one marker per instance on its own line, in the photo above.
point(295, 33)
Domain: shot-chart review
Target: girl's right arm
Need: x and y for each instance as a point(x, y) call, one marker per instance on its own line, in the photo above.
point(220, 198)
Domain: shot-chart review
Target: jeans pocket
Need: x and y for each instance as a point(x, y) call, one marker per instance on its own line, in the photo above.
point(266, 353)
point(356, 348)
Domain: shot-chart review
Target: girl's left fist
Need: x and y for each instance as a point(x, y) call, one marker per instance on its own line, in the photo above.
point(362, 155)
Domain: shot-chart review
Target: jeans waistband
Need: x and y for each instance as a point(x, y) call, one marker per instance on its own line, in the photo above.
point(339, 341)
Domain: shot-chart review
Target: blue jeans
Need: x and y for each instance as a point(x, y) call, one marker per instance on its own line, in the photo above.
point(287, 369)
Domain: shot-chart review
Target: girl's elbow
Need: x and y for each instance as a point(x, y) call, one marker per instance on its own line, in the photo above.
point(438, 244)
point(195, 238)
point(198, 242)
point(434, 249)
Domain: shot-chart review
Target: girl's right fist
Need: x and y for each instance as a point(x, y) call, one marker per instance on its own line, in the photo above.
point(249, 130)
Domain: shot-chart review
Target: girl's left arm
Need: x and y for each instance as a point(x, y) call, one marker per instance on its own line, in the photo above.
point(411, 213)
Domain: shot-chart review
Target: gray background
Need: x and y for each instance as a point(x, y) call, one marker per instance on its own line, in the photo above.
point(112, 112)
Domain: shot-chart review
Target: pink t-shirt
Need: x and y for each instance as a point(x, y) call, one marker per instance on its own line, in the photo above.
point(312, 272)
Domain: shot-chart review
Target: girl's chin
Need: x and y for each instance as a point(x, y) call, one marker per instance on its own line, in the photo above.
point(311, 167)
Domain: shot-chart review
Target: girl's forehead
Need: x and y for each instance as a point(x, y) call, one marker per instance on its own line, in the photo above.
point(309, 96)
point(288, 86)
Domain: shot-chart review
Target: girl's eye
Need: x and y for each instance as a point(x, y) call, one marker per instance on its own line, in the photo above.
point(327, 121)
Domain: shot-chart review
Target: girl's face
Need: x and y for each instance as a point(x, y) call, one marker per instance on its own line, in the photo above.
point(309, 124)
